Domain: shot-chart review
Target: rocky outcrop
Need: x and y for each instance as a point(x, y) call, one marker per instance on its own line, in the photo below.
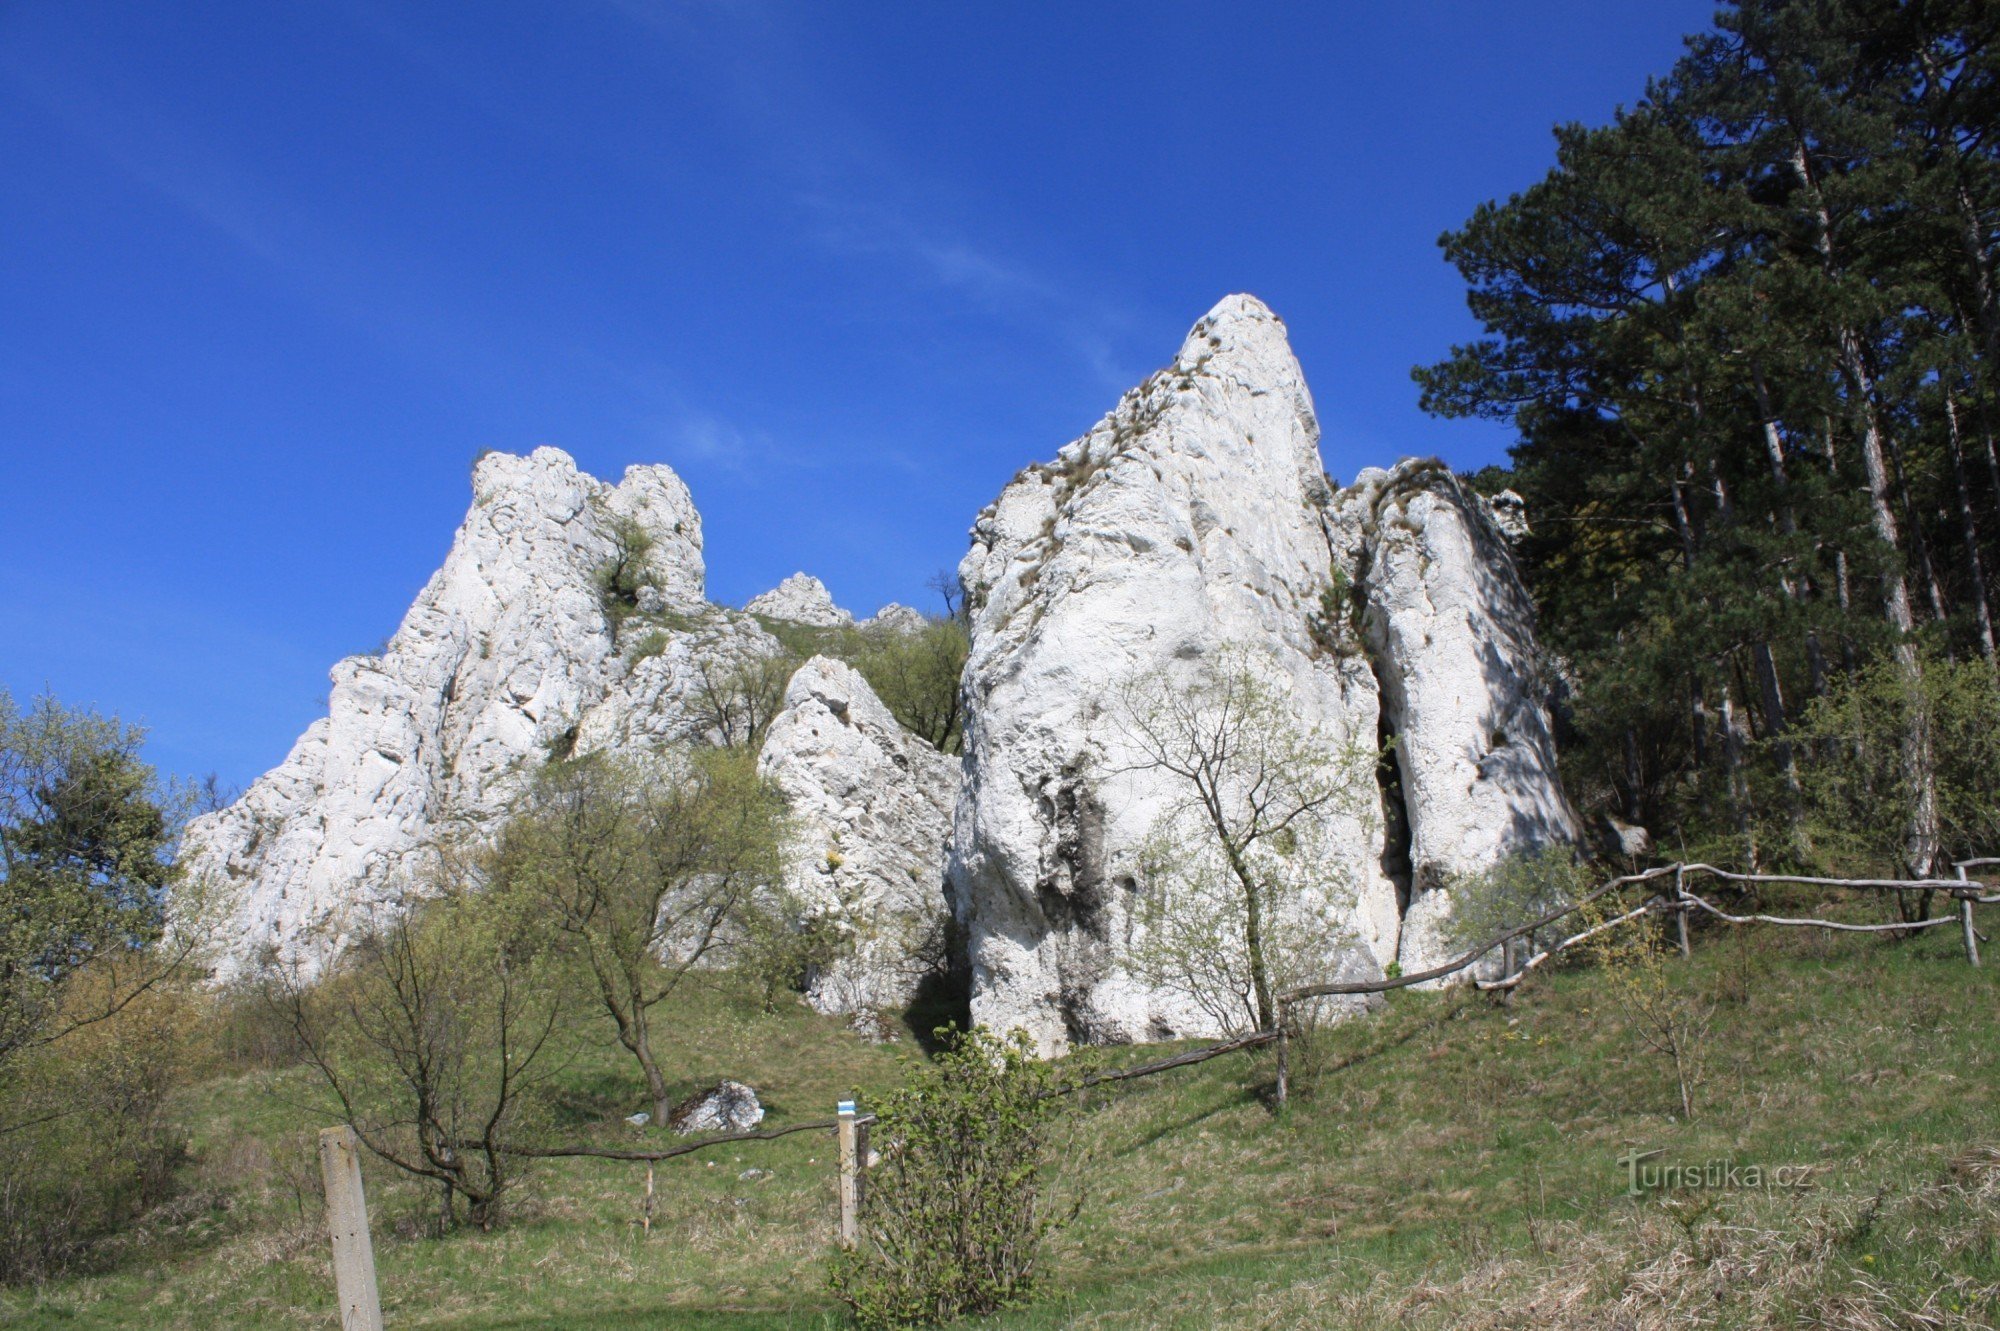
point(1450, 629)
point(800, 599)
point(1192, 523)
point(1189, 519)
point(1510, 514)
point(1194, 520)
point(509, 654)
point(896, 618)
point(871, 805)
point(681, 682)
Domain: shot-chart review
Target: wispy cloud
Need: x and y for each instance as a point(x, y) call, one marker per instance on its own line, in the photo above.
point(857, 197)
point(693, 435)
point(855, 226)
point(312, 261)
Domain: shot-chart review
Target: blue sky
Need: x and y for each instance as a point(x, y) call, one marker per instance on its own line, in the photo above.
point(272, 275)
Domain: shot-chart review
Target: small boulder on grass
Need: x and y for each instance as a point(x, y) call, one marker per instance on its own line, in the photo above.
point(727, 1106)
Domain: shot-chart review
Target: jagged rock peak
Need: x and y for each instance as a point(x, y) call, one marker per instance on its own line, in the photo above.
point(496, 660)
point(651, 498)
point(1192, 522)
point(870, 805)
point(896, 618)
point(800, 599)
point(1188, 521)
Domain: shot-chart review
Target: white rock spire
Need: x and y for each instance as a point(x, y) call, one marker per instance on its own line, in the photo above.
point(1192, 519)
point(497, 659)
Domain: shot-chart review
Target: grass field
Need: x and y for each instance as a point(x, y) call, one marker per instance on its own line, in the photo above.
point(1454, 1164)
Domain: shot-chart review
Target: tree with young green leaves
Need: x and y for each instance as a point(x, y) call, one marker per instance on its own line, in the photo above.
point(87, 836)
point(645, 869)
point(915, 672)
point(1245, 895)
point(437, 1032)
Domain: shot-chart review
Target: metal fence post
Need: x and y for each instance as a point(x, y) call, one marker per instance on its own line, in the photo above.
point(347, 1220)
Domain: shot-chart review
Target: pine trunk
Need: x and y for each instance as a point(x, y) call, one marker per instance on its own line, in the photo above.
point(1969, 530)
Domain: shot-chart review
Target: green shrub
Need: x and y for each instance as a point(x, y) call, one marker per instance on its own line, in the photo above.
point(916, 675)
point(956, 1214)
point(1336, 626)
point(90, 1145)
point(915, 672)
point(1860, 799)
point(620, 579)
point(1522, 887)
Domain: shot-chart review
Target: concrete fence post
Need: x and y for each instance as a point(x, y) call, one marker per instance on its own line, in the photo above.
point(347, 1220)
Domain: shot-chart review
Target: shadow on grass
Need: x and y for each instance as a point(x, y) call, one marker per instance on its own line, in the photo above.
point(668, 1315)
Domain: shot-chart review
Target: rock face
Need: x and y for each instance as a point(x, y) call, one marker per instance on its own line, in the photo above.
point(896, 618)
point(500, 654)
point(1450, 629)
point(1193, 523)
point(1192, 520)
point(512, 655)
point(800, 599)
point(676, 685)
point(871, 805)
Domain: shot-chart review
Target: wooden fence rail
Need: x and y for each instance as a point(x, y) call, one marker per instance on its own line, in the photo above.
point(348, 1219)
point(1967, 891)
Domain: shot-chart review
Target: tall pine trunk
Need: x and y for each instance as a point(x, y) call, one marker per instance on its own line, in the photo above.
point(1788, 524)
point(1969, 530)
point(1920, 837)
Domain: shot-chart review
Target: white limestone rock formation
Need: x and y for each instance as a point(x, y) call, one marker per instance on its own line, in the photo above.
point(1187, 520)
point(896, 617)
point(871, 806)
point(1193, 519)
point(680, 682)
point(495, 663)
point(1451, 631)
point(800, 599)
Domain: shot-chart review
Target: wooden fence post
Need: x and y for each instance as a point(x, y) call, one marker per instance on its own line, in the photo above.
point(1283, 1090)
point(1965, 920)
point(851, 1146)
point(1681, 911)
point(347, 1220)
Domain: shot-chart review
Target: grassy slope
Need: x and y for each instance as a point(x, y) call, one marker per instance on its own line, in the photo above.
point(1456, 1167)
